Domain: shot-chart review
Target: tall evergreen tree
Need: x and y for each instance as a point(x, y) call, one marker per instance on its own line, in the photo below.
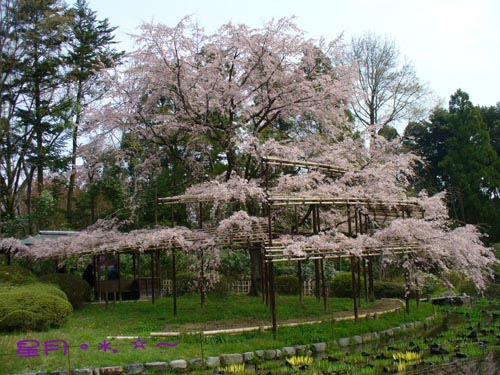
point(42, 26)
point(90, 50)
point(33, 105)
point(457, 147)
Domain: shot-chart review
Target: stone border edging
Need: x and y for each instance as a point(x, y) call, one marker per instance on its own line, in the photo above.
point(237, 358)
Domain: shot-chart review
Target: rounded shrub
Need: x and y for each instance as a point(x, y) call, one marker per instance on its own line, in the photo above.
point(341, 285)
point(388, 289)
point(287, 284)
point(33, 307)
point(185, 282)
point(461, 284)
point(76, 289)
point(16, 275)
point(431, 284)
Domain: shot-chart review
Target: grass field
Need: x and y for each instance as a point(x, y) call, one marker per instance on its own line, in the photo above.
point(93, 324)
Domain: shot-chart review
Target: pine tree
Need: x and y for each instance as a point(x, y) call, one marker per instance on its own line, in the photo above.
point(90, 51)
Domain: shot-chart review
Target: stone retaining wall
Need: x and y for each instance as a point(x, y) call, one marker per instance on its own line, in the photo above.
point(183, 365)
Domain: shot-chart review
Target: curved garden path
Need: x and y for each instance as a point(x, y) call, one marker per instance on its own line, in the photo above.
point(379, 307)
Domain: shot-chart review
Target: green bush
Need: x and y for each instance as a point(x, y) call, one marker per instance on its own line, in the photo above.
point(223, 287)
point(431, 284)
point(185, 282)
point(492, 291)
point(33, 307)
point(16, 275)
point(341, 285)
point(388, 289)
point(461, 283)
point(77, 290)
point(287, 284)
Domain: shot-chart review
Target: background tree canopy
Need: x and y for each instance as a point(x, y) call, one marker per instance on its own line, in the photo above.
point(456, 143)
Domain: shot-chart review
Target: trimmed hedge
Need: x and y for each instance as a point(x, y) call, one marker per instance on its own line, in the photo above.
point(287, 284)
point(34, 307)
point(16, 275)
point(388, 289)
point(77, 290)
point(341, 285)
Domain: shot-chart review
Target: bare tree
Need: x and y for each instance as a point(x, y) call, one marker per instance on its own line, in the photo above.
point(388, 90)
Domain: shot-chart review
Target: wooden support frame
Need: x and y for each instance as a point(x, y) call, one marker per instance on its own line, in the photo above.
point(174, 282)
point(272, 298)
point(301, 282)
point(354, 288)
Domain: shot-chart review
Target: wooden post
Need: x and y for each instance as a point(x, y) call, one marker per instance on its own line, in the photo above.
point(358, 270)
point(152, 278)
point(353, 283)
point(174, 282)
point(317, 280)
point(134, 266)
point(118, 265)
point(296, 219)
point(94, 267)
point(266, 278)
point(158, 272)
point(270, 242)
point(272, 299)
point(323, 283)
point(200, 217)
point(365, 281)
point(361, 226)
point(269, 225)
point(370, 278)
point(98, 278)
point(356, 221)
point(172, 216)
point(349, 225)
point(202, 261)
point(202, 277)
point(301, 282)
point(407, 289)
point(317, 272)
point(314, 219)
point(139, 274)
point(262, 274)
point(318, 222)
point(106, 265)
point(156, 203)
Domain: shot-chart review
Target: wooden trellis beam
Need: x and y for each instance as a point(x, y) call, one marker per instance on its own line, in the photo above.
point(304, 164)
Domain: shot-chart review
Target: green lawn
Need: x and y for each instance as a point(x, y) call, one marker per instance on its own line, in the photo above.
point(92, 324)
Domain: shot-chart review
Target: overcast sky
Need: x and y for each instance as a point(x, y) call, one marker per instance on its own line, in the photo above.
point(452, 43)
